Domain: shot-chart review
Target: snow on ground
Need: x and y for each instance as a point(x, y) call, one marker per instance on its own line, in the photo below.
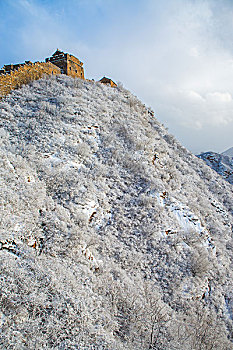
point(185, 218)
point(90, 181)
point(228, 152)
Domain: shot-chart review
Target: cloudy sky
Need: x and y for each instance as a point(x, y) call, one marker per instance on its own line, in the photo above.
point(175, 55)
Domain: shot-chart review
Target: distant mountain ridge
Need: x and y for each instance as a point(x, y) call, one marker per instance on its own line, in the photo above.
point(222, 163)
point(228, 152)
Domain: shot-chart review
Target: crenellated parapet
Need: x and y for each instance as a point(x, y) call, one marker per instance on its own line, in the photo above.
point(14, 76)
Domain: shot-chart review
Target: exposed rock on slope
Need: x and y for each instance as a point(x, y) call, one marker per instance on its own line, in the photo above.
point(113, 235)
point(221, 163)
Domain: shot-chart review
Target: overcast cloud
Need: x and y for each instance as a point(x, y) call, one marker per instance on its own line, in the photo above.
point(175, 55)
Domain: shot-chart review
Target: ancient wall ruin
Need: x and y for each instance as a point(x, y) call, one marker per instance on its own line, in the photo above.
point(69, 64)
point(24, 75)
point(108, 81)
point(13, 76)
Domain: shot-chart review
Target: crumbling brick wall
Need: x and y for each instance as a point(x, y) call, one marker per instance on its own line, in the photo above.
point(108, 81)
point(24, 75)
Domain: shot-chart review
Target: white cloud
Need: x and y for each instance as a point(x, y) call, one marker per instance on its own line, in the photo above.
point(194, 52)
point(187, 73)
point(221, 97)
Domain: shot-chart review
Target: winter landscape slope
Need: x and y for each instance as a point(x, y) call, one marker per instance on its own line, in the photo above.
point(113, 235)
point(228, 152)
point(221, 163)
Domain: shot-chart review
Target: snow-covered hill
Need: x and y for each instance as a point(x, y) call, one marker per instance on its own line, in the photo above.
point(228, 152)
point(221, 163)
point(113, 235)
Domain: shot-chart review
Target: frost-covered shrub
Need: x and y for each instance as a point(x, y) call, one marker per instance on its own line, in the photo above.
point(83, 149)
point(113, 235)
point(199, 263)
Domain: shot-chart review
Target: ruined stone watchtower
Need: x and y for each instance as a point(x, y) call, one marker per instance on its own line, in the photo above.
point(68, 64)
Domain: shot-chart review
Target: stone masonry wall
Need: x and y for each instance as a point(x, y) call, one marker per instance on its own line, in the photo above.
point(74, 67)
point(69, 64)
point(24, 75)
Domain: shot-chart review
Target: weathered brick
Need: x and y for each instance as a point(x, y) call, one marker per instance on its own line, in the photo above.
point(108, 81)
point(24, 75)
point(69, 64)
point(13, 76)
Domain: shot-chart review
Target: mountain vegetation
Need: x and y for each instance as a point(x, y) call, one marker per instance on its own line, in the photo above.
point(222, 163)
point(113, 235)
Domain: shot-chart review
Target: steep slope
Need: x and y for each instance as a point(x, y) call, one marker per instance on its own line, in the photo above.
point(221, 163)
point(113, 235)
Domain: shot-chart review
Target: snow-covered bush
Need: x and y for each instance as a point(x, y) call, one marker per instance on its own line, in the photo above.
point(113, 235)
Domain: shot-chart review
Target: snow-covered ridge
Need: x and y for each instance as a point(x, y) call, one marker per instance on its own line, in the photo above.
point(221, 163)
point(228, 152)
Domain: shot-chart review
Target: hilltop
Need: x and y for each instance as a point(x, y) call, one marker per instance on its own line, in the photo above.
point(113, 235)
point(228, 152)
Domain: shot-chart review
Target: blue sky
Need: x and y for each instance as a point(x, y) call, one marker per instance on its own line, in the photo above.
point(175, 55)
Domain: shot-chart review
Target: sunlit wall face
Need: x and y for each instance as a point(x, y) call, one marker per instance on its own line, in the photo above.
point(177, 56)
